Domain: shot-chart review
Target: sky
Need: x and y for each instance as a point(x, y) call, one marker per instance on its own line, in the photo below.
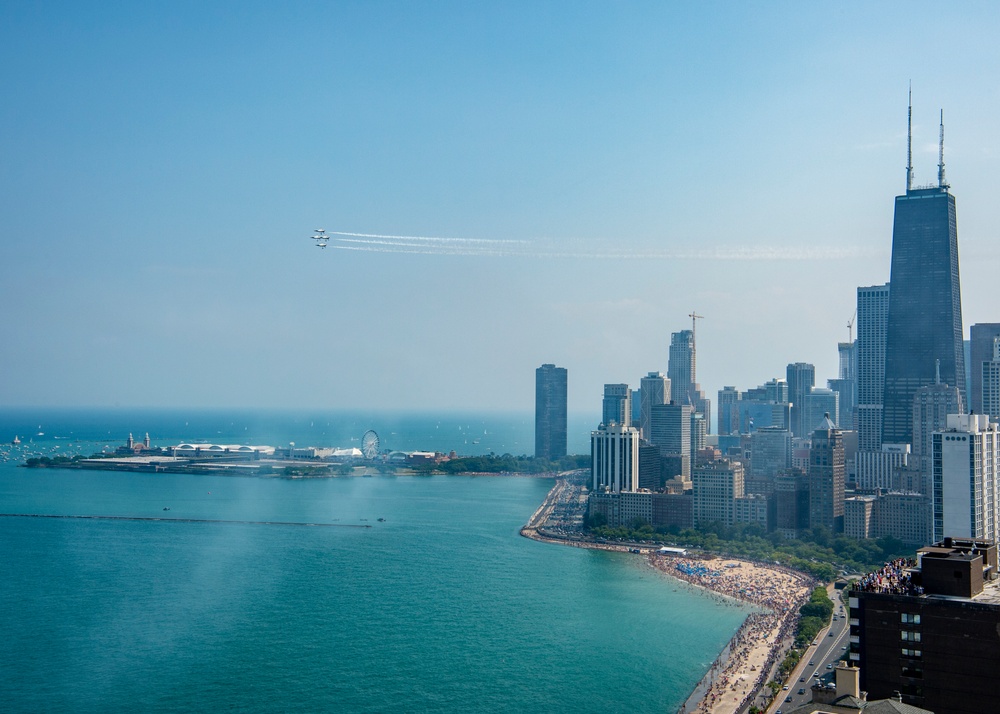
point(505, 185)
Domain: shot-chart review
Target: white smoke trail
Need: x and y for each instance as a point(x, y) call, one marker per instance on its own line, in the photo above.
point(436, 245)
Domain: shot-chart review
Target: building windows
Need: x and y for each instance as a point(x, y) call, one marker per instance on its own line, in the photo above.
point(916, 654)
point(908, 636)
point(909, 619)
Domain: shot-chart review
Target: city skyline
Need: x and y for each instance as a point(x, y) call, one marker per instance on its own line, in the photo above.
point(165, 167)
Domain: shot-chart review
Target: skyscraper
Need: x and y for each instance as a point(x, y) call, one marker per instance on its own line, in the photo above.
point(729, 421)
point(617, 405)
point(681, 370)
point(846, 384)
point(550, 412)
point(654, 389)
point(826, 478)
point(873, 315)
point(990, 384)
point(925, 304)
point(966, 478)
point(614, 454)
point(981, 350)
point(801, 378)
point(670, 430)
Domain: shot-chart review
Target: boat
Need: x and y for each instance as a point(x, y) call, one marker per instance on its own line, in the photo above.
point(16, 441)
point(166, 508)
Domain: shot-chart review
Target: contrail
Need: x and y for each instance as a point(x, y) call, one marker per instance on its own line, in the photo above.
point(429, 239)
point(436, 245)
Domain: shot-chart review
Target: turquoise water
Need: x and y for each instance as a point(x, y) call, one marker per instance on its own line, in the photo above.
point(442, 607)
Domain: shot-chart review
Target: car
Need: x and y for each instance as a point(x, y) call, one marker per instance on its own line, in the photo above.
point(816, 674)
point(844, 647)
point(802, 690)
point(785, 688)
point(788, 699)
point(829, 666)
point(811, 663)
point(802, 679)
point(834, 618)
point(830, 635)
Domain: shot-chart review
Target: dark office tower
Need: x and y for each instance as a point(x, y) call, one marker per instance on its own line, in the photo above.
point(925, 303)
point(873, 315)
point(801, 378)
point(550, 412)
point(670, 430)
point(981, 350)
point(617, 405)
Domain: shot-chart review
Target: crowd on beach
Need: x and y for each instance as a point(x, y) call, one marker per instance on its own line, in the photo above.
point(777, 591)
point(893, 578)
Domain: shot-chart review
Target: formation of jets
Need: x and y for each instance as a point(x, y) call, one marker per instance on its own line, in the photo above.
point(321, 238)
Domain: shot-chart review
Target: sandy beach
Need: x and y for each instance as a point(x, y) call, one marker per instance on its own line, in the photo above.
point(744, 665)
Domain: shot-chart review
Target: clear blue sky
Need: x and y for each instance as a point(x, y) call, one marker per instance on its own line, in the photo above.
point(162, 166)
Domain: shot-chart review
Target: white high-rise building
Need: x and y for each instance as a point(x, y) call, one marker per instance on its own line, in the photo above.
point(614, 457)
point(965, 478)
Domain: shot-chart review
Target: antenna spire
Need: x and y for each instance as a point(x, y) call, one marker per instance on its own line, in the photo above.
point(941, 182)
point(909, 139)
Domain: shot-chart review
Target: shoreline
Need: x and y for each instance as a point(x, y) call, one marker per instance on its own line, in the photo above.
point(745, 664)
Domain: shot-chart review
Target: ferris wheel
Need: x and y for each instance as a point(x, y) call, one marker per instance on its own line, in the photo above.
point(369, 444)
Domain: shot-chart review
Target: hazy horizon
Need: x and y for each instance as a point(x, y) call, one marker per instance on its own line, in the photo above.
point(505, 186)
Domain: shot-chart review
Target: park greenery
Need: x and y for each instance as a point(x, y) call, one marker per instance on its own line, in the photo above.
point(491, 463)
point(41, 462)
point(813, 617)
point(818, 553)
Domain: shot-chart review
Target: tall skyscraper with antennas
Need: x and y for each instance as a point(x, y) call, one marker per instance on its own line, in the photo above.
point(924, 322)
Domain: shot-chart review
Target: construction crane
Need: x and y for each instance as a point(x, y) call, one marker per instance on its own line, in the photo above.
point(850, 327)
point(694, 316)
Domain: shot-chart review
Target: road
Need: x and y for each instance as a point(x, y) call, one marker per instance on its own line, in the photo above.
point(821, 658)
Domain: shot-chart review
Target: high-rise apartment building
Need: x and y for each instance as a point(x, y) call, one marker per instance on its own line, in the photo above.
point(981, 336)
point(617, 406)
point(873, 315)
point(654, 390)
point(801, 378)
point(717, 485)
point(550, 412)
point(926, 632)
point(965, 477)
point(925, 304)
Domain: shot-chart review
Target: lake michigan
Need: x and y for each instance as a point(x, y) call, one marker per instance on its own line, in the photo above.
point(440, 607)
